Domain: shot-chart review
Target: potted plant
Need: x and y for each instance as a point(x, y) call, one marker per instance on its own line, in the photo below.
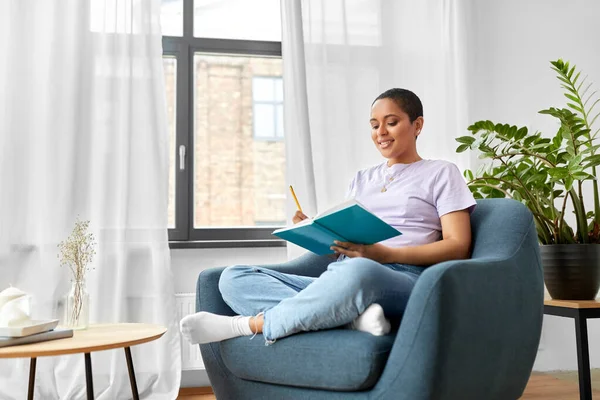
point(549, 176)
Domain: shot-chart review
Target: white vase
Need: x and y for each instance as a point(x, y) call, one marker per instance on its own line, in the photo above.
point(78, 307)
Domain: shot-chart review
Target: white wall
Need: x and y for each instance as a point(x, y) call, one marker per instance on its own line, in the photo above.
point(188, 263)
point(512, 43)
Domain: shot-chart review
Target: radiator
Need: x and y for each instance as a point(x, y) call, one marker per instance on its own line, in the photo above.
point(190, 354)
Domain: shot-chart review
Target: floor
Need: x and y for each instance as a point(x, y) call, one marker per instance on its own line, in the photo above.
point(542, 386)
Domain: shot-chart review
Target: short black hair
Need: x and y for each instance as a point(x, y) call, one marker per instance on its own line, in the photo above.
point(406, 100)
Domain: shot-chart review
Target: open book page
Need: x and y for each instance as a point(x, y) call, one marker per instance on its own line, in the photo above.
point(341, 206)
point(304, 222)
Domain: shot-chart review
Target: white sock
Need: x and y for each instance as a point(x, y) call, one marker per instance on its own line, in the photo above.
point(373, 321)
point(205, 327)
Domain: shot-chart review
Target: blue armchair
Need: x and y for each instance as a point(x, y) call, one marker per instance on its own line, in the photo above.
point(471, 330)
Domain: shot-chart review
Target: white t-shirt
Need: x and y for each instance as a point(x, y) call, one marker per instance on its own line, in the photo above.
point(416, 196)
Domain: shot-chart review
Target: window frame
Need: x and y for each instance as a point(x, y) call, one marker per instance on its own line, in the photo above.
point(183, 48)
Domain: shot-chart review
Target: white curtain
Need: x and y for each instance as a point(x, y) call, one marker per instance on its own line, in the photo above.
point(83, 132)
point(338, 55)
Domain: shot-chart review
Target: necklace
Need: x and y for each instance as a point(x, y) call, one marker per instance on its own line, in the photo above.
point(388, 179)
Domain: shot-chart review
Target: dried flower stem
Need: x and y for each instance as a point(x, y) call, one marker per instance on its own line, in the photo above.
point(77, 252)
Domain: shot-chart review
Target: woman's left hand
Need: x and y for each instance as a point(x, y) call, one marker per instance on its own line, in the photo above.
point(376, 252)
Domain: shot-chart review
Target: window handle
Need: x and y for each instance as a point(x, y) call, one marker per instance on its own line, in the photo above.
point(182, 157)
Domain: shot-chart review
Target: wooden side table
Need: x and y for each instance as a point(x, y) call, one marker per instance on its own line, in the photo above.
point(580, 311)
point(95, 338)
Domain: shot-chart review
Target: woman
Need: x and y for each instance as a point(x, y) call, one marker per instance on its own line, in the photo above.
point(427, 200)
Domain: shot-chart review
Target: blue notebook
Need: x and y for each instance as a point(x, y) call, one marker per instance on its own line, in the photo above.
point(347, 222)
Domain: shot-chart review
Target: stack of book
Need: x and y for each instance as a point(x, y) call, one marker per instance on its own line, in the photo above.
point(32, 332)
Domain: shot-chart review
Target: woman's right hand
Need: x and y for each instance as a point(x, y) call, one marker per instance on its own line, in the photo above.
point(299, 216)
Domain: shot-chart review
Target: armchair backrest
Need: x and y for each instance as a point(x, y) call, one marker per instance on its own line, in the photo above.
point(499, 227)
point(471, 327)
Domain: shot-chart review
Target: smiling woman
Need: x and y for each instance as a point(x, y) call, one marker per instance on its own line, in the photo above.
point(396, 122)
point(427, 200)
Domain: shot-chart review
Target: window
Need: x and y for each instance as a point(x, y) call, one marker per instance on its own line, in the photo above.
point(267, 97)
point(223, 77)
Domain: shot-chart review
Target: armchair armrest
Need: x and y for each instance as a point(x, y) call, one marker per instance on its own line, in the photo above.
point(469, 323)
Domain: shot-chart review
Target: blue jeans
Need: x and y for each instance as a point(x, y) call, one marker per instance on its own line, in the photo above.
point(294, 303)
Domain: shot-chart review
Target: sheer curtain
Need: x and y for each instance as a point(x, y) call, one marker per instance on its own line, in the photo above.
point(83, 132)
point(338, 55)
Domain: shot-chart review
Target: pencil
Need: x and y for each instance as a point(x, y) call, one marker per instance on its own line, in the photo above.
point(295, 198)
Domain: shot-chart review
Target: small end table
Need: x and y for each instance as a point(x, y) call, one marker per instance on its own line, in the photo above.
point(580, 311)
point(94, 338)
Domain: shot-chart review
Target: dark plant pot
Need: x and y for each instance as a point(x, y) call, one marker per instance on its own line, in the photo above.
point(571, 271)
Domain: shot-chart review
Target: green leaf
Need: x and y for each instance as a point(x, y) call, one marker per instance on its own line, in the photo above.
point(488, 125)
point(586, 88)
point(575, 99)
point(497, 194)
point(536, 179)
point(465, 139)
point(557, 140)
point(575, 161)
point(564, 80)
point(527, 142)
point(591, 161)
point(575, 107)
point(468, 174)
point(594, 119)
point(592, 106)
point(589, 98)
point(485, 190)
point(580, 176)
point(521, 133)
point(591, 149)
point(558, 173)
point(462, 148)
point(569, 88)
point(568, 183)
point(558, 64)
point(576, 77)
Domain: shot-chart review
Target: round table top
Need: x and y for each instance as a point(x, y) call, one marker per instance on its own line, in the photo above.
point(94, 338)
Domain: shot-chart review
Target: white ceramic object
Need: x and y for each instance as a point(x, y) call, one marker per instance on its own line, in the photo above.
point(9, 294)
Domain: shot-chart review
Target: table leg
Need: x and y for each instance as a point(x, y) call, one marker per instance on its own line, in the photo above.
point(32, 364)
point(583, 358)
point(88, 376)
point(134, 389)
